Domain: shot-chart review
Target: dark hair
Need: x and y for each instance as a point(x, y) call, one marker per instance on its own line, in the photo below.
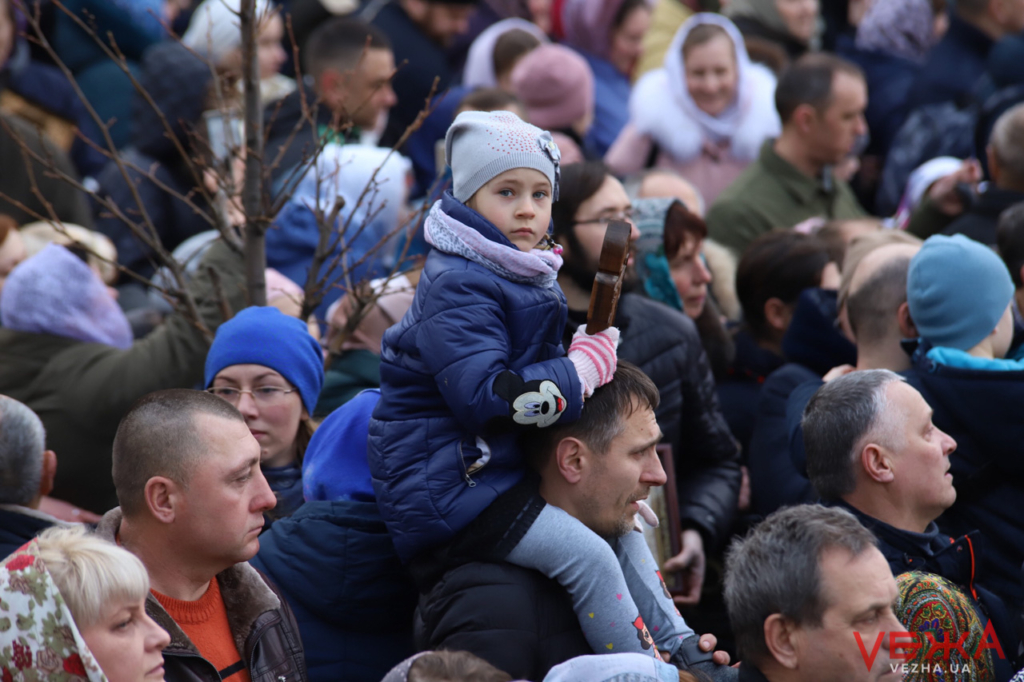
point(776, 568)
point(603, 418)
point(454, 666)
point(779, 264)
point(488, 99)
point(625, 9)
point(510, 47)
point(579, 182)
point(836, 422)
point(1010, 241)
point(158, 437)
point(809, 81)
point(339, 44)
point(680, 222)
point(872, 307)
point(702, 34)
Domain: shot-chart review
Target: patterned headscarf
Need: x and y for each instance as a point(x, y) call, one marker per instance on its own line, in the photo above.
point(901, 28)
point(929, 603)
point(38, 637)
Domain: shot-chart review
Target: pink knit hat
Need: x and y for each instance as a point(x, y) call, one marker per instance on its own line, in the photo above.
point(556, 85)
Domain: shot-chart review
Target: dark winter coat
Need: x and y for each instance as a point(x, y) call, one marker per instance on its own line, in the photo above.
point(981, 410)
point(515, 618)
point(814, 346)
point(337, 568)
point(473, 352)
point(177, 81)
point(739, 389)
point(82, 390)
point(775, 480)
point(980, 220)
point(423, 60)
point(664, 343)
point(889, 79)
point(954, 66)
point(19, 525)
point(262, 626)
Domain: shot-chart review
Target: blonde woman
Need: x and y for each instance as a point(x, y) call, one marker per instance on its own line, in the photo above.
point(75, 607)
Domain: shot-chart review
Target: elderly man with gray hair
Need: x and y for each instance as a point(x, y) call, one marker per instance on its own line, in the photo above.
point(1005, 153)
point(799, 590)
point(873, 450)
point(27, 469)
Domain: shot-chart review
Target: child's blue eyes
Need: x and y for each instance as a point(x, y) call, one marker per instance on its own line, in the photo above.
point(510, 193)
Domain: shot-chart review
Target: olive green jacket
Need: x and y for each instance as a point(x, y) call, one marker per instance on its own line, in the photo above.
point(772, 193)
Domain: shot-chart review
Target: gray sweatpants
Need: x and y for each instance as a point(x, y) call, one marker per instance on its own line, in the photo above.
point(616, 589)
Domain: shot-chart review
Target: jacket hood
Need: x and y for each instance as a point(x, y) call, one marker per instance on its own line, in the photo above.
point(812, 338)
point(178, 81)
point(979, 397)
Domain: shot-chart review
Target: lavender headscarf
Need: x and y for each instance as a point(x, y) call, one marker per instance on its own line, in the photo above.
point(902, 28)
point(55, 292)
point(588, 24)
point(479, 71)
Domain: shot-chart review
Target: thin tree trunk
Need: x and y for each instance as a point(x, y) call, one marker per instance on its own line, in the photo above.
point(255, 250)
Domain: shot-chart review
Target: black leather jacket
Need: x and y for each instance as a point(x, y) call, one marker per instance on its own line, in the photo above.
point(261, 622)
point(664, 343)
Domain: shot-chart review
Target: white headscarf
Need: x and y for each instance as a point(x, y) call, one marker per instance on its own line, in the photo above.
point(215, 31)
point(479, 70)
point(749, 120)
point(347, 171)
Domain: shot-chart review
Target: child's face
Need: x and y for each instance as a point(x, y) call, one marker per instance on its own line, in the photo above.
point(517, 202)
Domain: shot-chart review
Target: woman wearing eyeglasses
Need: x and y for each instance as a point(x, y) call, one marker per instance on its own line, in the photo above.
point(267, 365)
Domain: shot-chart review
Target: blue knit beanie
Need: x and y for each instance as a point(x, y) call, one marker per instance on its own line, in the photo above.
point(957, 291)
point(266, 336)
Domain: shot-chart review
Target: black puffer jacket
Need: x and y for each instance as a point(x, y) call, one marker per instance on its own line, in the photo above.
point(514, 618)
point(664, 343)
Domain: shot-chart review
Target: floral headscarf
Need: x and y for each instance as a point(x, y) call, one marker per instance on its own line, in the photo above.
point(39, 640)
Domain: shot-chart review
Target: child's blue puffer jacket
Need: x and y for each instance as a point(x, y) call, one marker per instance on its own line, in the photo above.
point(476, 359)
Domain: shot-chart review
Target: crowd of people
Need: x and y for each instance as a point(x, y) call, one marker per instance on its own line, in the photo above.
point(793, 455)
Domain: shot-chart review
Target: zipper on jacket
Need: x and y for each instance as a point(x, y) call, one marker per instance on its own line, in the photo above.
point(465, 472)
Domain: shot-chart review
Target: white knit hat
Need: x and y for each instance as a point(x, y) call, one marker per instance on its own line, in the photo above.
point(482, 145)
point(215, 29)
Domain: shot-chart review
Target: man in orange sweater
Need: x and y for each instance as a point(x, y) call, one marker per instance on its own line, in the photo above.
point(187, 474)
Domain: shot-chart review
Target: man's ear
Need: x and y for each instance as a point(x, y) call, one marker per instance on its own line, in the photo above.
point(908, 330)
point(780, 636)
point(876, 463)
point(570, 458)
point(162, 497)
point(994, 171)
point(332, 83)
point(49, 473)
point(804, 117)
point(777, 314)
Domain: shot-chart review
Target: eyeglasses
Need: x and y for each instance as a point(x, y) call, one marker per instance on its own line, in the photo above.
point(262, 395)
point(626, 215)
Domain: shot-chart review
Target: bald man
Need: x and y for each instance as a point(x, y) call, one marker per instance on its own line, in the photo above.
point(873, 300)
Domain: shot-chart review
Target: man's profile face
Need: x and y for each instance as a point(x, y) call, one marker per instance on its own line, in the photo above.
point(614, 481)
point(222, 514)
point(365, 92)
point(860, 592)
point(836, 129)
point(921, 460)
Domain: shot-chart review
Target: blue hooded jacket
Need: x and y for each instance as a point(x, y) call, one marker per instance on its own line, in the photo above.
point(474, 351)
point(980, 409)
